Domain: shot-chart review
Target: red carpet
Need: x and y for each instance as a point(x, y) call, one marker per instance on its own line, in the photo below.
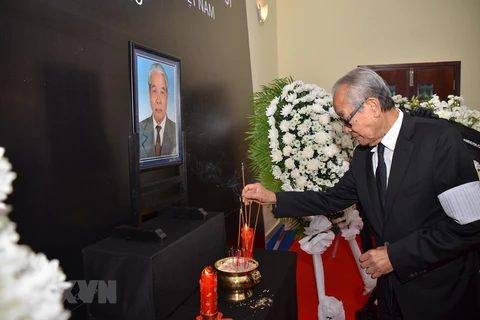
point(342, 281)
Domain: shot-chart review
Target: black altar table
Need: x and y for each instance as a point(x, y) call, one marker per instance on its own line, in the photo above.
point(154, 278)
point(274, 298)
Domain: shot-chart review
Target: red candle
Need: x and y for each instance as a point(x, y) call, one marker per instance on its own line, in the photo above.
point(247, 241)
point(208, 294)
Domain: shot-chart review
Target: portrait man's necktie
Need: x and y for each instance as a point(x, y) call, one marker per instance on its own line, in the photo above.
point(381, 174)
point(158, 142)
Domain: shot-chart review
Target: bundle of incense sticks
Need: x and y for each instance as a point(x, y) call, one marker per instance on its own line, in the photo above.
point(245, 219)
point(238, 260)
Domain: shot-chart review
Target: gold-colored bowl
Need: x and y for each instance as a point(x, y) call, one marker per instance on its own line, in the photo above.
point(236, 285)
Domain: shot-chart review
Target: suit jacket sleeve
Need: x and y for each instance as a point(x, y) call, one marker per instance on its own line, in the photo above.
point(425, 249)
point(308, 203)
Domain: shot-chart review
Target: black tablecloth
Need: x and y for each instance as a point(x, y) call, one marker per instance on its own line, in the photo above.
point(153, 279)
point(278, 283)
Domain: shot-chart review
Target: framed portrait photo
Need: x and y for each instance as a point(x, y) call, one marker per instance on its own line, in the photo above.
point(156, 109)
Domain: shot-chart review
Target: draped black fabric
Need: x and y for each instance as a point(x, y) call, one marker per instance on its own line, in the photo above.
point(154, 278)
point(471, 137)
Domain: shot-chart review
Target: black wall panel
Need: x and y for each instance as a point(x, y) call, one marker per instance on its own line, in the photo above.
point(65, 110)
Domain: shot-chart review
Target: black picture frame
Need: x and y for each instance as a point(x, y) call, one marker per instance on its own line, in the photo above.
point(147, 66)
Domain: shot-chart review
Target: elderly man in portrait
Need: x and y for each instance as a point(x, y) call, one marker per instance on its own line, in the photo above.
point(157, 132)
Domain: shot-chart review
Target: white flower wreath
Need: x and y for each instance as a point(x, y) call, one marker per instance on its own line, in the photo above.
point(309, 147)
point(453, 109)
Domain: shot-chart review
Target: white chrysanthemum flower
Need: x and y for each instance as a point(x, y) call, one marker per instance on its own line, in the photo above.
point(277, 172)
point(308, 98)
point(444, 114)
point(337, 127)
point(345, 166)
point(333, 114)
point(310, 185)
point(287, 187)
point(304, 127)
point(324, 119)
point(284, 125)
point(286, 110)
point(274, 144)
point(308, 152)
point(302, 111)
point(289, 163)
point(331, 150)
point(273, 134)
point(295, 173)
point(291, 97)
point(276, 156)
point(321, 137)
point(287, 150)
point(321, 101)
point(347, 142)
point(272, 108)
point(288, 138)
point(317, 108)
point(313, 164)
point(301, 182)
point(6, 176)
point(271, 121)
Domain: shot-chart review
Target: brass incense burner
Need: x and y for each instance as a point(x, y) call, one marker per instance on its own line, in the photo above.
point(236, 277)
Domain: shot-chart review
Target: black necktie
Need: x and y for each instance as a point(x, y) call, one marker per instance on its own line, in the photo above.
point(158, 143)
point(381, 174)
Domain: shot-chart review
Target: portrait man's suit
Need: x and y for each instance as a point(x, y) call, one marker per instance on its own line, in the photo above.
point(435, 259)
point(147, 140)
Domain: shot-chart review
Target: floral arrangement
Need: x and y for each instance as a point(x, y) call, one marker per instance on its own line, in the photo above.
point(297, 141)
point(453, 109)
point(31, 286)
point(306, 148)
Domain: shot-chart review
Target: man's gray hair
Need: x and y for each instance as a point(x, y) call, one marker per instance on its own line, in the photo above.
point(363, 83)
point(157, 67)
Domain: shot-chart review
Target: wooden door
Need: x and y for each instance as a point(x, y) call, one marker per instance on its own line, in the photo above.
point(421, 79)
point(397, 80)
point(440, 81)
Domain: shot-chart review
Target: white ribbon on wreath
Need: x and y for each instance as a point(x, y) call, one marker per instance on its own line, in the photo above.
point(350, 228)
point(319, 238)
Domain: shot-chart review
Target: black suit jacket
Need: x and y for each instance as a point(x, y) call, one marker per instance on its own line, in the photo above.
point(435, 259)
point(147, 140)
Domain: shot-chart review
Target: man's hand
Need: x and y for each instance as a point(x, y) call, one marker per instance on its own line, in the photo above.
point(258, 193)
point(376, 262)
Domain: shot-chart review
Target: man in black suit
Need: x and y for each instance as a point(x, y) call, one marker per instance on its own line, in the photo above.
point(157, 132)
point(421, 199)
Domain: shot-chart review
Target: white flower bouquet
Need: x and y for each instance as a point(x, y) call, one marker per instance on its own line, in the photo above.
point(31, 286)
point(453, 110)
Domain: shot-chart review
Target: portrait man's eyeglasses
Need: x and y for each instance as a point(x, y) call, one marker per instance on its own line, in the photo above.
point(346, 121)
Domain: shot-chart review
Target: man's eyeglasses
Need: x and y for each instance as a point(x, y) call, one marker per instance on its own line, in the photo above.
point(346, 121)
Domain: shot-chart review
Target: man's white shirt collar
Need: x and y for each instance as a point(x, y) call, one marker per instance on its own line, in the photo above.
point(162, 124)
point(390, 139)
